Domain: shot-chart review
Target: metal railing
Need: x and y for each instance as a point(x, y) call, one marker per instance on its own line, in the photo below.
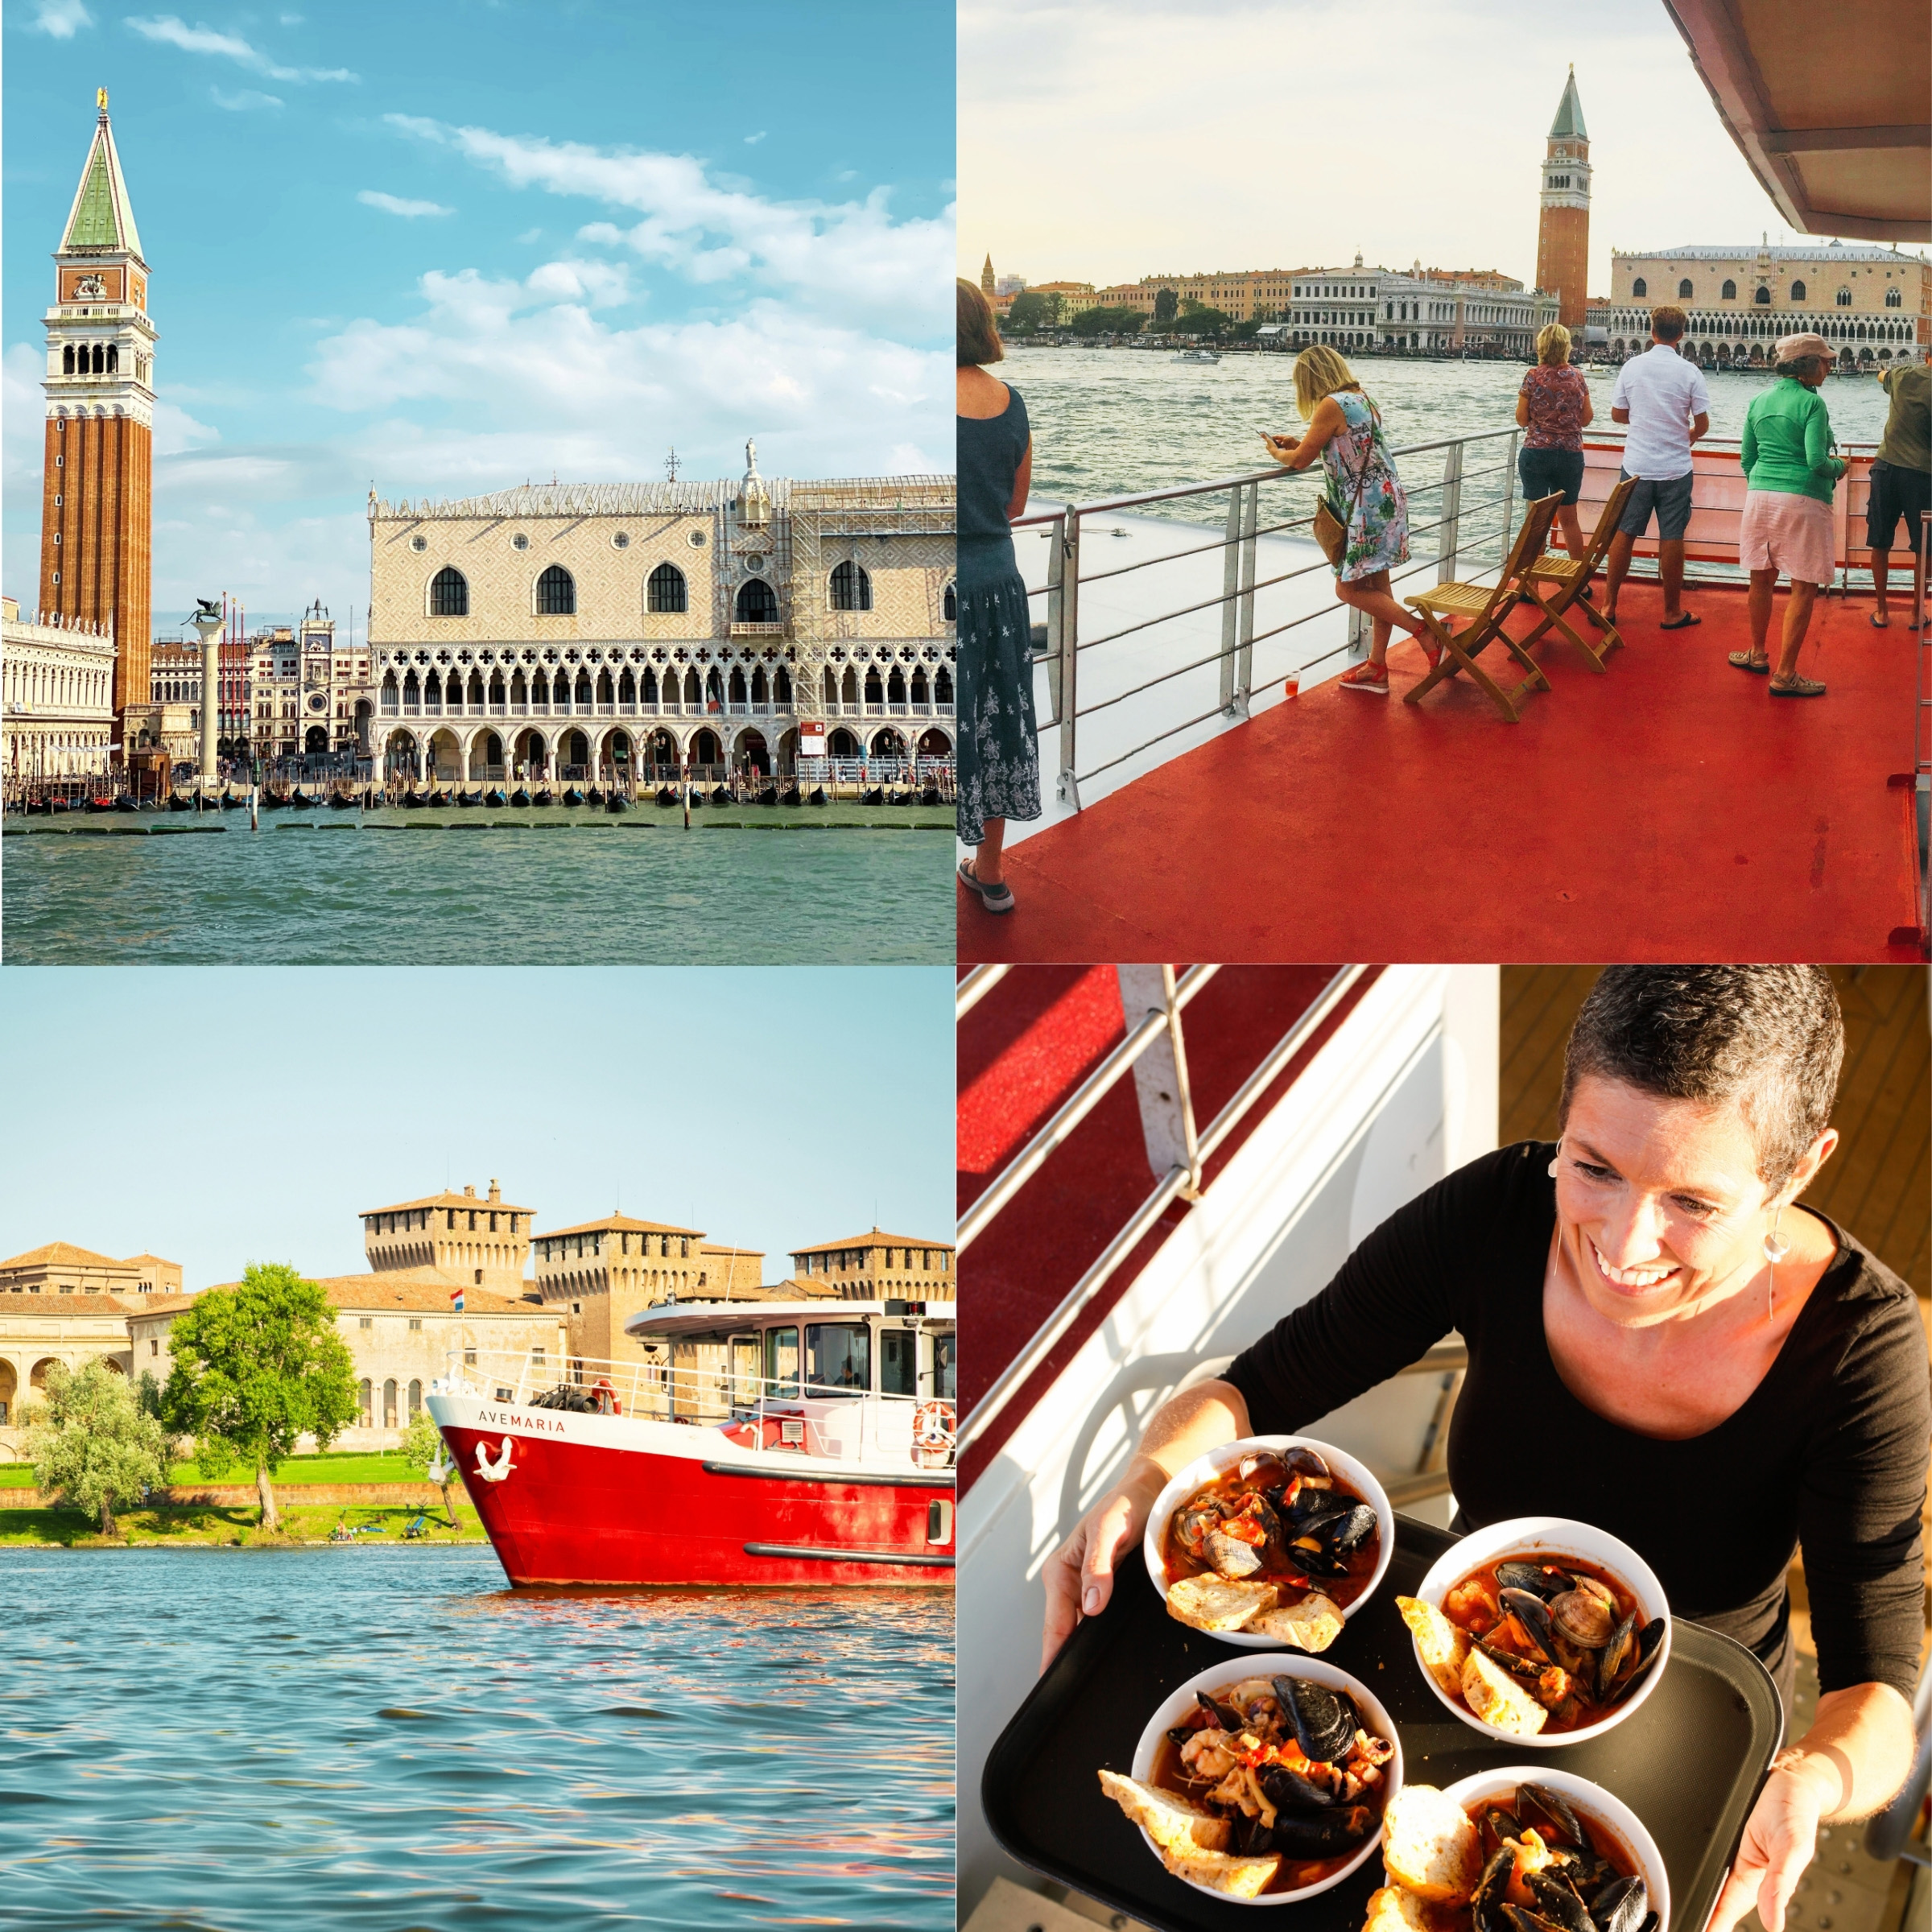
point(1922, 730)
point(779, 1413)
point(1182, 1180)
point(1462, 530)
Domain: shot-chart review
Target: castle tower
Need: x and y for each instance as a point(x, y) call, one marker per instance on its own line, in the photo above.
point(986, 280)
point(1562, 236)
point(96, 503)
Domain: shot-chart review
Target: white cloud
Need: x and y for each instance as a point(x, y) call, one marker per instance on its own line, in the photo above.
point(59, 18)
point(243, 100)
point(169, 30)
point(850, 255)
point(398, 204)
point(753, 140)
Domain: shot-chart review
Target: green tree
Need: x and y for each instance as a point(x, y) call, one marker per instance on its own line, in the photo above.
point(90, 1443)
point(1032, 310)
point(257, 1368)
point(1166, 302)
point(1107, 322)
point(1198, 319)
point(423, 1448)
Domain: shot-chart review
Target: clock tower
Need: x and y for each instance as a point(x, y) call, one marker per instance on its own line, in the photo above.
point(97, 507)
point(1563, 236)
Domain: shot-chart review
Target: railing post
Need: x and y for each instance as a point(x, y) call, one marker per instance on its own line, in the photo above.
point(1068, 787)
point(1244, 669)
point(1502, 556)
point(1055, 558)
point(1231, 577)
point(1448, 542)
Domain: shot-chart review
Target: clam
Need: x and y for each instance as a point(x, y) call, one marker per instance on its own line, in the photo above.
point(1584, 1616)
point(1265, 1469)
point(1229, 1556)
point(1305, 1463)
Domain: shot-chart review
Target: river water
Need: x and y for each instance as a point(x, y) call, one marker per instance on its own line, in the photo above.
point(320, 888)
point(258, 1741)
point(1112, 422)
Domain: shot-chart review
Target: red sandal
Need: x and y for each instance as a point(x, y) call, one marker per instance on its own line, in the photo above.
point(1372, 679)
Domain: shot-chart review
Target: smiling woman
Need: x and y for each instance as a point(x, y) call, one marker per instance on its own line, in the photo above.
point(1662, 1342)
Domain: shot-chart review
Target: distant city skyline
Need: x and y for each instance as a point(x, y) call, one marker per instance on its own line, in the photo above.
point(445, 250)
point(1151, 138)
point(217, 1117)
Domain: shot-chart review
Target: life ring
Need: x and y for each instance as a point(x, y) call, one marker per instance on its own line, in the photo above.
point(932, 1426)
point(606, 1396)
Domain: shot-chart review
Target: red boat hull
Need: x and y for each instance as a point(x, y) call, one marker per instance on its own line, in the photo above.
point(579, 1511)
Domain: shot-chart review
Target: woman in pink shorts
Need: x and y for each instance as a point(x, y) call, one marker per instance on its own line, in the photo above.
point(1787, 526)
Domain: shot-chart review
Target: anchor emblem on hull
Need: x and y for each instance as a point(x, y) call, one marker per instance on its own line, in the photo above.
point(496, 1471)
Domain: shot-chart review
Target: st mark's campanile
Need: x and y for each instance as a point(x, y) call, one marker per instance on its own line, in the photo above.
point(97, 505)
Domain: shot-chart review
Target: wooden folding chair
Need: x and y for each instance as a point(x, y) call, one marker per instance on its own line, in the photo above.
point(1485, 608)
point(1570, 577)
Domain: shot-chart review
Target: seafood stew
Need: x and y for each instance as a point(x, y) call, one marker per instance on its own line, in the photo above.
point(1278, 1545)
point(1548, 1866)
point(1287, 1772)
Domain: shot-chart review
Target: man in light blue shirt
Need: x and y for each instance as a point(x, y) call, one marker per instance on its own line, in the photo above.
point(1663, 398)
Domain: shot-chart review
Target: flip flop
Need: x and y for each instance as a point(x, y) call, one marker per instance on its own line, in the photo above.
point(1759, 667)
point(1682, 622)
point(1879, 623)
point(995, 898)
point(1798, 688)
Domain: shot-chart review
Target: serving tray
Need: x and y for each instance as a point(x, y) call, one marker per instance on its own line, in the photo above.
point(1689, 1762)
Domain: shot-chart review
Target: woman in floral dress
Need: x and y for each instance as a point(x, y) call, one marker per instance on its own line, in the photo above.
point(1344, 430)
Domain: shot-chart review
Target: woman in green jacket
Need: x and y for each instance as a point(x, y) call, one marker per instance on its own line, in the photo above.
point(1790, 471)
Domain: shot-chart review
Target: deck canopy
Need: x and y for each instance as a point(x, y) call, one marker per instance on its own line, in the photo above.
point(1827, 103)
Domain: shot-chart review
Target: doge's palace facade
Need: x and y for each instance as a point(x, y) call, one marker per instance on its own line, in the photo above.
point(603, 629)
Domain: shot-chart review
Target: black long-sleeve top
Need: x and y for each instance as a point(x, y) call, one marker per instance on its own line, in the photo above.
point(1828, 1452)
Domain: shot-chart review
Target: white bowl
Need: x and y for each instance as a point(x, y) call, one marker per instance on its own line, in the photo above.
point(1285, 1663)
point(1552, 1538)
point(1218, 1462)
point(1622, 1823)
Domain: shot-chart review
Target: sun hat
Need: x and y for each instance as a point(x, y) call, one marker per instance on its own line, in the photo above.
point(1792, 348)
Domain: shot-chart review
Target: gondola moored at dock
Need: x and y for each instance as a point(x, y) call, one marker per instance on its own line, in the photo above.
point(818, 796)
point(768, 795)
point(616, 801)
point(573, 796)
point(494, 797)
point(666, 796)
point(875, 796)
point(594, 796)
point(721, 796)
point(520, 797)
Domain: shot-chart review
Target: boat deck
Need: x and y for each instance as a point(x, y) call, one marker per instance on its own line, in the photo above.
point(1666, 809)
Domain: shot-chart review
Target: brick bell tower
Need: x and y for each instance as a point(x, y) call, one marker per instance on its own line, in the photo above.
point(1563, 235)
point(97, 502)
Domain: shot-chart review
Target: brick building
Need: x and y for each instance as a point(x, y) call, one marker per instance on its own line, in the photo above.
point(1563, 233)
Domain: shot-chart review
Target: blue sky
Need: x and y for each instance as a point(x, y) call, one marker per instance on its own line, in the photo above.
point(455, 244)
point(217, 1117)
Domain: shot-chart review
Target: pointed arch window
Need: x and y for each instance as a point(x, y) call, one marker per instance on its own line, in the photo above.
point(1640, 288)
point(851, 587)
point(449, 593)
point(756, 602)
point(556, 593)
point(1842, 297)
point(952, 603)
point(942, 686)
point(1893, 299)
point(1763, 295)
point(1730, 292)
point(665, 589)
point(1798, 291)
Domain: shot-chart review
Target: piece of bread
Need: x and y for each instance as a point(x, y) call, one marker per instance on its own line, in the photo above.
point(1394, 1909)
point(1313, 1623)
point(1239, 1877)
point(1167, 1818)
point(1430, 1847)
point(1210, 1602)
point(1442, 1644)
point(1497, 1699)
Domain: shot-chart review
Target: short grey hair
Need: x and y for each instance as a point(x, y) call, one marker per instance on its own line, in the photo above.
point(1768, 1040)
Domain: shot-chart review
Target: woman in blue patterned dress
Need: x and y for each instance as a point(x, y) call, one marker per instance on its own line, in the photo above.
point(1345, 430)
point(999, 746)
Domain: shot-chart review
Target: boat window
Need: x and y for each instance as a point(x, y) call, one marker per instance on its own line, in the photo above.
point(744, 1371)
point(945, 1367)
point(898, 1362)
point(838, 1357)
point(782, 1363)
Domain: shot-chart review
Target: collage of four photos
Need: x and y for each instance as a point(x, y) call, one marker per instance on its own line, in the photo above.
point(1372, 785)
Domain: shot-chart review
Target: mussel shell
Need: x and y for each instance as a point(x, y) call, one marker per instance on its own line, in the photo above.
point(1584, 1617)
point(1325, 1721)
point(1517, 1919)
point(1314, 1563)
point(1288, 1791)
point(1225, 1717)
point(1486, 1901)
point(1649, 1643)
point(1549, 1811)
point(1264, 1512)
point(1533, 1613)
point(1525, 1668)
point(1558, 1902)
point(1316, 1834)
point(1354, 1530)
point(1621, 1906)
point(1229, 1556)
point(1497, 1825)
point(1532, 1577)
point(1619, 1657)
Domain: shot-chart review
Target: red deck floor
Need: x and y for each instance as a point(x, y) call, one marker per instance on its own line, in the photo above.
point(1668, 809)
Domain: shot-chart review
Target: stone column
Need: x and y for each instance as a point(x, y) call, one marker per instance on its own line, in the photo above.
point(209, 629)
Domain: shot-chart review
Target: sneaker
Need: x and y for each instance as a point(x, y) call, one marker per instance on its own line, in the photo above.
point(1373, 679)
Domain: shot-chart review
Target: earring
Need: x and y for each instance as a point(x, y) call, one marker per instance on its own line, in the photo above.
point(1777, 1248)
point(1554, 1164)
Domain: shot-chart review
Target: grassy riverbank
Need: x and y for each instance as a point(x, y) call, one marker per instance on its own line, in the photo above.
point(227, 1524)
point(297, 1470)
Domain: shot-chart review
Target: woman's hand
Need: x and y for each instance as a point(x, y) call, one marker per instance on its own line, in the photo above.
point(1280, 448)
point(1079, 1575)
point(1780, 1840)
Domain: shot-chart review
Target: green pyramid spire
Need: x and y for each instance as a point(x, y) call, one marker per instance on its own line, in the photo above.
point(1569, 122)
point(93, 225)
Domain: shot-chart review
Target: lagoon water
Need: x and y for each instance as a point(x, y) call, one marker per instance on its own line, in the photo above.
point(254, 1740)
point(1112, 422)
point(321, 888)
